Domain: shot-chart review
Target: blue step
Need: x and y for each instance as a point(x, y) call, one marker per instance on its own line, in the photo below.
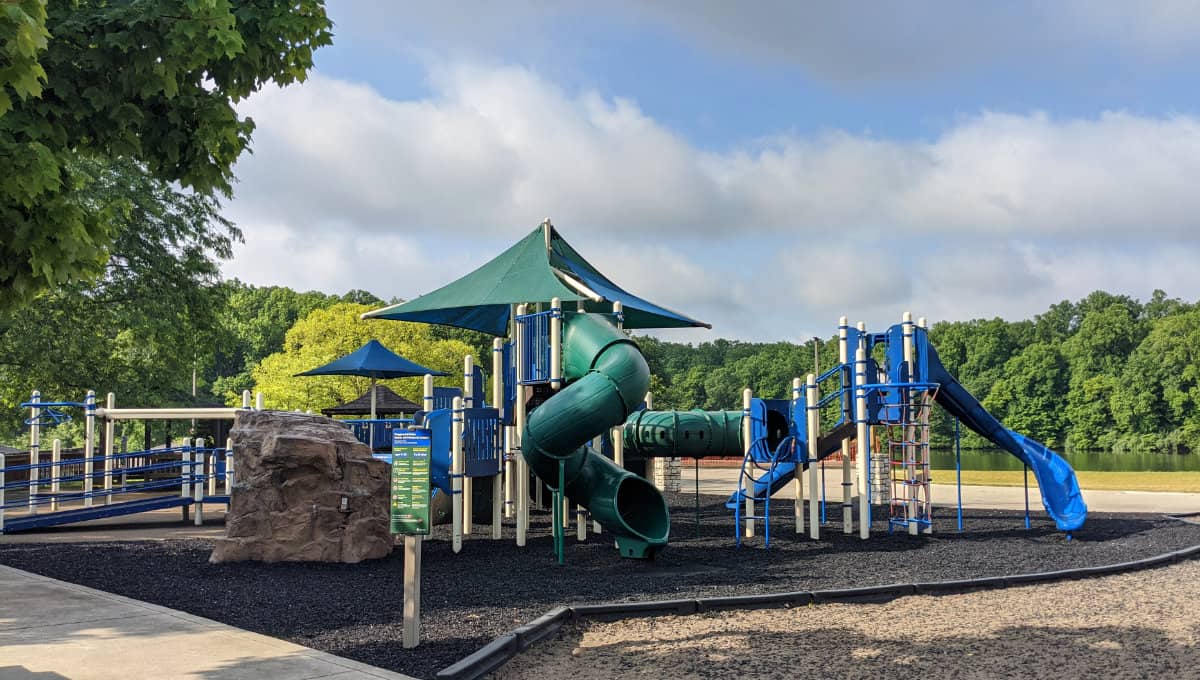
point(48, 519)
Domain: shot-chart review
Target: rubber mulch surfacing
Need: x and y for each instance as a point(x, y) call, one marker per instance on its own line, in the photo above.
point(493, 586)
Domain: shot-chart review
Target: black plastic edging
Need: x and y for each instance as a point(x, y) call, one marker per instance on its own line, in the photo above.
point(499, 651)
point(484, 660)
point(868, 594)
point(613, 611)
point(543, 626)
point(961, 586)
point(761, 601)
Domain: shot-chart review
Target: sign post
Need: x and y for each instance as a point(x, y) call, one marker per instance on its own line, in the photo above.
point(410, 517)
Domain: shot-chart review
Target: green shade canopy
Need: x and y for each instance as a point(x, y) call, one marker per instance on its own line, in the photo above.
point(539, 267)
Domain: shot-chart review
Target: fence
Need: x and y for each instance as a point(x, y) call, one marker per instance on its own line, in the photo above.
point(65, 490)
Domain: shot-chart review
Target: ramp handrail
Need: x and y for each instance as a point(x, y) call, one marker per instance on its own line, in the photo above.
point(196, 465)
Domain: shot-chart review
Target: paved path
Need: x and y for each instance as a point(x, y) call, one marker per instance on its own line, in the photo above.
point(722, 482)
point(51, 630)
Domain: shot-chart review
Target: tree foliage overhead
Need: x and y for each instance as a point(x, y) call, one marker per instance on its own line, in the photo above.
point(151, 81)
point(141, 328)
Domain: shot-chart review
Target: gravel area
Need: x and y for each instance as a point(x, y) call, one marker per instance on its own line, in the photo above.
point(492, 587)
point(1137, 625)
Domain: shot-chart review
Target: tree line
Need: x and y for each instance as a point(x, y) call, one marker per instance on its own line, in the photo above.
point(1106, 372)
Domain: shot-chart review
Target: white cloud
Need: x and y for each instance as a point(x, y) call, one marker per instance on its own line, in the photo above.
point(852, 43)
point(503, 147)
point(368, 192)
point(855, 42)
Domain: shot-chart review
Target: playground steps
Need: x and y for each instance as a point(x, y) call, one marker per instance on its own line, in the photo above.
point(47, 519)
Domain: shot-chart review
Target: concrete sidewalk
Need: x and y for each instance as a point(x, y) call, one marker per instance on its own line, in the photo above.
point(723, 481)
point(51, 630)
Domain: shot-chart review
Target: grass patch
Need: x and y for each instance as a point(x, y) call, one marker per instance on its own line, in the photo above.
point(1103, 481)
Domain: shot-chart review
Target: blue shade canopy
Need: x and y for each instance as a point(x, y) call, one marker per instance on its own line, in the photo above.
point(373, 360)
point(538, 268)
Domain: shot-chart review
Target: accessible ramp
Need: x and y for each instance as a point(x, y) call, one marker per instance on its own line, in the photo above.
point(607, 378)
point(1056, 480)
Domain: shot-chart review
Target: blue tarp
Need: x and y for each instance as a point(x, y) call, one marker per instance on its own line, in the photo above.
point(373, 360)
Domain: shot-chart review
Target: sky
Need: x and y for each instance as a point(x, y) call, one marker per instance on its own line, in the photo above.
point(766, 167)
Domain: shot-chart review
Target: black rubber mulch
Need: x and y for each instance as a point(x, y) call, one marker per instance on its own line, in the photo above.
point(491, 587)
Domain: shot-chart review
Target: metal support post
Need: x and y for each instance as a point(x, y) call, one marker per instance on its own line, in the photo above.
point(521, 467)
point(862, 439)
point(747, 465)
point(456, 475)
point(198, 481)
point(812, 395)
point(89, 445)
point(35, 450)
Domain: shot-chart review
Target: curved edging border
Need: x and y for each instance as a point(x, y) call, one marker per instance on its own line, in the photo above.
point(499, 651)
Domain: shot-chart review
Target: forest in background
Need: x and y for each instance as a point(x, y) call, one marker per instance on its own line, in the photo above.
point(1107, 372)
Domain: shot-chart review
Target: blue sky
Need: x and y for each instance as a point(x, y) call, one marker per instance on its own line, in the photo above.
point(733, 161)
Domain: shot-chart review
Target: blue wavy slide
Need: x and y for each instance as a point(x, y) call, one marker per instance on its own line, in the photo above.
point(1056, 480)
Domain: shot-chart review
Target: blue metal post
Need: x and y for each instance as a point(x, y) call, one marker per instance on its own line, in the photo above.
point(557, 516)
point(817, 462)
point(1026, 496)
point(958, 469)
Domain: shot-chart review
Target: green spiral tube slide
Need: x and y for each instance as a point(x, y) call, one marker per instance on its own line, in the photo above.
point(607, 378)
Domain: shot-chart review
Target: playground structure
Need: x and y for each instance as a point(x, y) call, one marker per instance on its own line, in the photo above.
point(570, 393)
point(875, 409)
point(129, 482)
point(570, 413)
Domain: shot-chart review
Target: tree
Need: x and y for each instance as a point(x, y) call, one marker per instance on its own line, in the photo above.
point(1029, 396)
point(1160, 306)
point(146, 323)
point(23, 36)
point(1104, 341)
point(328, 333)
point(1055, 324)
point(1089, 413)
point(152, 81)
point(1158, 405)
point(253, 325)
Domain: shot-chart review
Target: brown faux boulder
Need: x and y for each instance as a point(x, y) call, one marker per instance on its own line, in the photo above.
point(305, 490)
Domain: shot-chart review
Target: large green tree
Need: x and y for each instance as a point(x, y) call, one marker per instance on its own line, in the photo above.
point(326, 334)
point(1029, 396)
point(146, 323)
point(253, 324)
point(1158, 403)
point(151, 81)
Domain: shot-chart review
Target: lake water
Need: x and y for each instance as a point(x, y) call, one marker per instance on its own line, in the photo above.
point(996, 459)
